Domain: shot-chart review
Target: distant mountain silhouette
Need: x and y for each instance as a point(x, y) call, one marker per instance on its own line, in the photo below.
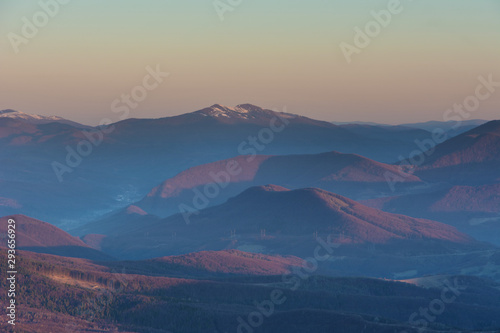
point(135, 155)
point(37, 119)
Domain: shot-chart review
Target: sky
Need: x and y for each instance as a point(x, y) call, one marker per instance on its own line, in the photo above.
point(279, 54)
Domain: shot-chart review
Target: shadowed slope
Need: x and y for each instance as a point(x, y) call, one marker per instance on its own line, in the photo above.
point(474, 210)
point(76, 295)
point(273, 219)
point(471, 158)
point(347, 174)
point(37, 236)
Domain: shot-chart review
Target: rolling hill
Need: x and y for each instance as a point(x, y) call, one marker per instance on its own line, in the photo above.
point(474, 210)
point(346, 174)
point(130, 157)
point(37, 236)
point(80, 296)
point(471, 158)
point(210, 264)
point(272, 219)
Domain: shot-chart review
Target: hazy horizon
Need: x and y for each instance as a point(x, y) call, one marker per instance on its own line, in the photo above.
point(268, 54)
point(227, 193)
point(96, 123)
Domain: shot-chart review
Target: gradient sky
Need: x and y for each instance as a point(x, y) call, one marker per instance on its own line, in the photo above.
point(276, 54)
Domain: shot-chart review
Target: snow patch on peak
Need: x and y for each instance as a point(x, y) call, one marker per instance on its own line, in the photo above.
point(217, 110)
point(36, 118)
point(241, 111)
point(9, 113)
point(219, 107)
point(245, 108)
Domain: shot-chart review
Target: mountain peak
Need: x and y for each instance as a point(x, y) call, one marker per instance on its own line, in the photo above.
point(480, 144)
point(310, 195)
point(249, 107)
point(7, 111)
point(248, 113)
point(219, 107)
point(36, 118)
point(491, 127)
point(306, 210)
point(10, 113)
point(241, 111)
point(268, 188)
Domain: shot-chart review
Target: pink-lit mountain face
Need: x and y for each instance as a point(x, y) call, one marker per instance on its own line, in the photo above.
point(37, 236)
point(113, 175)
point(471, 158)
point(304, 211)
point(193, 268)
point(286, 217)
point(346, 174)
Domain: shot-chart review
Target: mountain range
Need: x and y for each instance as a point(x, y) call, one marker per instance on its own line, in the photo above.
point(271, 219)
point(44, 157)
point(346, 174)
point(472, 158)
point(37, 119)
point(192, 223)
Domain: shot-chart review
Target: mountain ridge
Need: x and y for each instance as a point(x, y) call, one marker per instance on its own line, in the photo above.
point(38, 119)
point(351, 175)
